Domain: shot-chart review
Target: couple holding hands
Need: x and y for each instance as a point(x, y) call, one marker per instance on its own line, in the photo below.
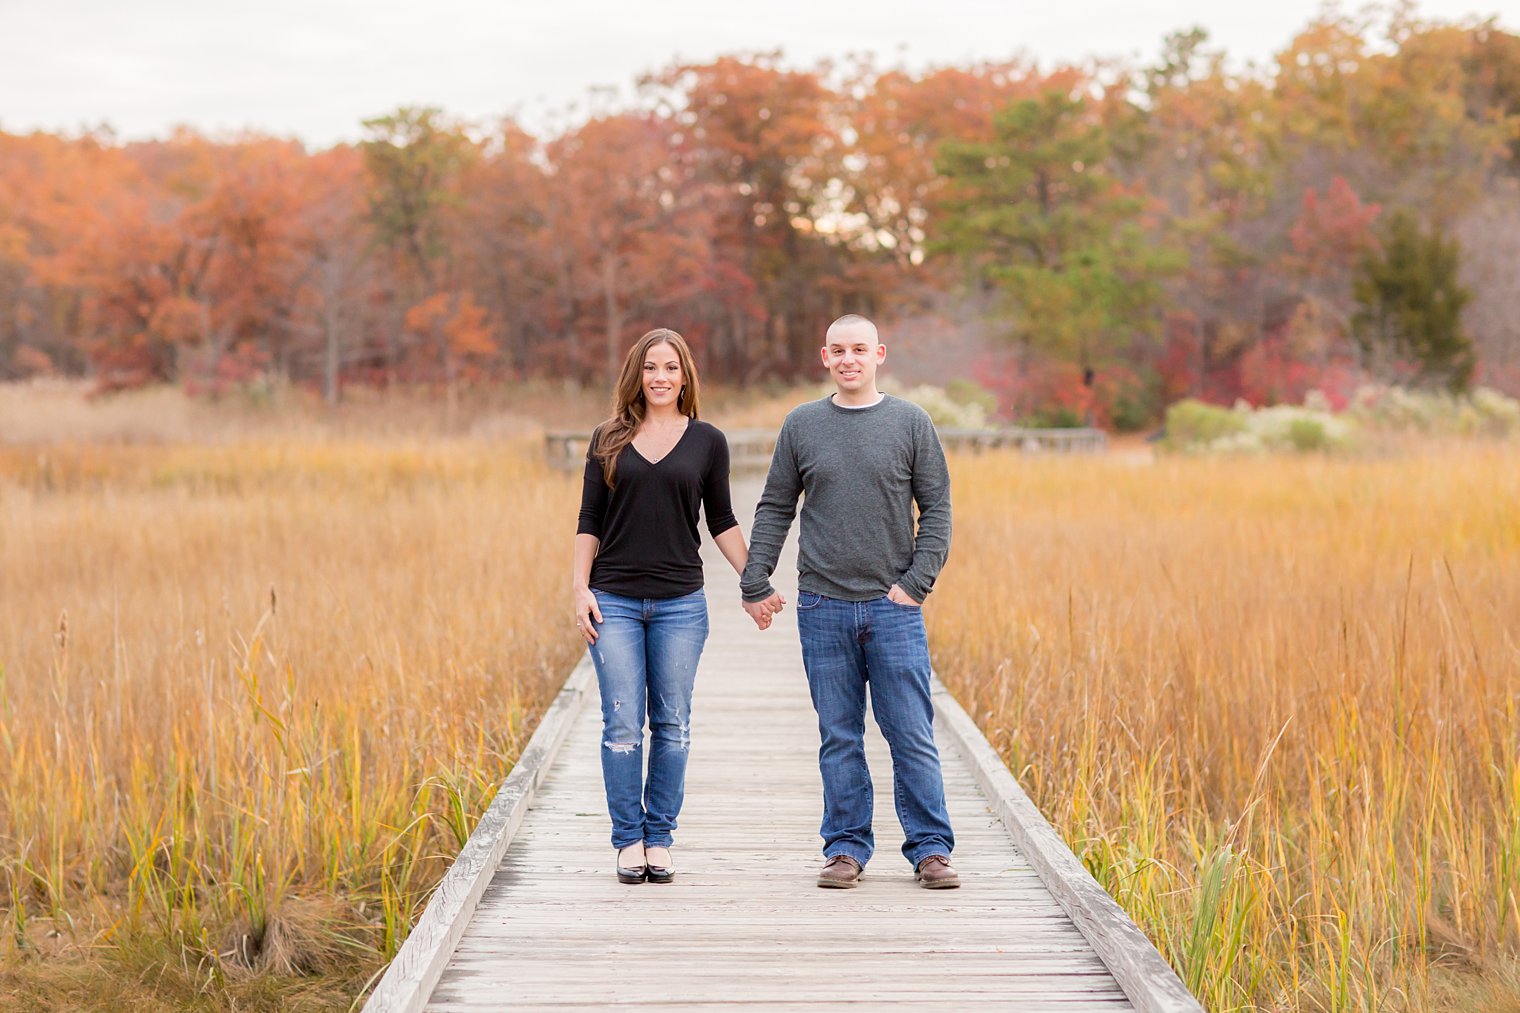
point(862, 459)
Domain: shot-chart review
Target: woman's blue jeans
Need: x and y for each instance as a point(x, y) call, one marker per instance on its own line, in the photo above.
point(646, 655)
point(848, 646)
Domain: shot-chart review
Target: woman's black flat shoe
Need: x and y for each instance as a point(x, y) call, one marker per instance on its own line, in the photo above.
point(662, 873)
point(631, 873)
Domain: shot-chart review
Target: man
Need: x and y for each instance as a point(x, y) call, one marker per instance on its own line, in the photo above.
point(862, 458)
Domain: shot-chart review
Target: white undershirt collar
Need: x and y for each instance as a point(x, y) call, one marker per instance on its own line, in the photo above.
point(834, 399)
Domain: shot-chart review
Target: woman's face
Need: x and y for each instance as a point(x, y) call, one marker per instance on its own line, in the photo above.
point(662, 376)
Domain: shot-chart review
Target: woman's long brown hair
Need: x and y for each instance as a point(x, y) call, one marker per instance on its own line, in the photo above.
point(628, 406)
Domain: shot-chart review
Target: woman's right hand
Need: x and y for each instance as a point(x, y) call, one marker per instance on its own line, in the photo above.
point(587, 610)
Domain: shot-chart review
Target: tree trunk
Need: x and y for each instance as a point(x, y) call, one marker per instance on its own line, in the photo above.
point(614, 313)
point(330, 361)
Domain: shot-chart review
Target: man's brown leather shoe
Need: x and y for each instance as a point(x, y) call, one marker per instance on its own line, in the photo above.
point(840, 872)
point(936, 873)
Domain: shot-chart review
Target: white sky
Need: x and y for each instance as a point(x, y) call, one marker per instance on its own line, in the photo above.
point(315, 68)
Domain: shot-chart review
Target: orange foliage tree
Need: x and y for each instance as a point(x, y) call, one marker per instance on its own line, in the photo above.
point(746, 202)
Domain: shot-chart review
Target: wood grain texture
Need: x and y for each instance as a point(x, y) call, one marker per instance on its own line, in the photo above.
point(744, 924)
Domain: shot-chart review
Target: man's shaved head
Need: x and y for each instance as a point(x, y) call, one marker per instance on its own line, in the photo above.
point(851, 321)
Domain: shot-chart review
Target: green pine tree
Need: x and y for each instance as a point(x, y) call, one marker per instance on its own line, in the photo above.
point(1043, 219)
point(1411, 306)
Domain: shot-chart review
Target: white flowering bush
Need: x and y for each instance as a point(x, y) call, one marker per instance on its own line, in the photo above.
point(1498, 414)
point(1196, 427)
point(965, 407)
point(1285, 427)
point(1395, 410)
point(946, 411)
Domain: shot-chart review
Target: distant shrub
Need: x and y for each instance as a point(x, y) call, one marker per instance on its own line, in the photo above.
point(1485, 412)
point(968, 392)
point(1194, 427)
point(1308, 434)
point(1499, 415)
point(1286, 427)
point(945, 409)
point(1131, 414)
point(1191, 423)
point(1056, 417)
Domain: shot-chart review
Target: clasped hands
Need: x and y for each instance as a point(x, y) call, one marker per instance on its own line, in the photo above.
point(765, 609)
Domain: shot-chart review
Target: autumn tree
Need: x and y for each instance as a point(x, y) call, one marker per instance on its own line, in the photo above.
point(760, 136)
point(415, 158)
point(636, 243)
point(507, 253)
point(1329, 241)
point(1184, 227)
point(332, 311)
point(1492, 83)
point(897, 123)
point(1204, 155)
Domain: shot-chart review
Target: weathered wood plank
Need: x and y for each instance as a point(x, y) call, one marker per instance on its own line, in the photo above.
point(937, 1004)
point(414, 972)
point(744, 924)
point(1149, 981)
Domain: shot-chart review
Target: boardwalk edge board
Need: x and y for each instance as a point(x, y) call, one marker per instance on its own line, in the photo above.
point(411, 977)
point(1144, 975)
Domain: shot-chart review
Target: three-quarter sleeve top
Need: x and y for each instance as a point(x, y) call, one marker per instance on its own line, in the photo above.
point(647, 526)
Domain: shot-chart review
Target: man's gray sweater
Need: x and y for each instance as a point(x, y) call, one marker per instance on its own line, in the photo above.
point(861, 469)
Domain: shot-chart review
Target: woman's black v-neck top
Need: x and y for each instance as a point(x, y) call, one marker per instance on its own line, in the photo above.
point(650, 547)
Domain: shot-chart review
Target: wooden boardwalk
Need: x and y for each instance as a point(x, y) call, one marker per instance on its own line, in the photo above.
point(744, 925)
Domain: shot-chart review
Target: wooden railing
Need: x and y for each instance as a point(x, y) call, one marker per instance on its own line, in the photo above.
point(750, 449)
point(1054, 441)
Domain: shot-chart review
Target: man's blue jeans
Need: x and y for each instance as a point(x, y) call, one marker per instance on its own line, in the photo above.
point(847, 646)
point(646, 656)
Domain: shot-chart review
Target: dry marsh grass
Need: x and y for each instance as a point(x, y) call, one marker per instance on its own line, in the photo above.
point(45, 413)
point(1274, 704)
point(252, 699)
point(262, 664)
point(261, 668)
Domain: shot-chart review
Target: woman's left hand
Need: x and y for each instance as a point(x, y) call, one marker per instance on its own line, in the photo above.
point(586, 609)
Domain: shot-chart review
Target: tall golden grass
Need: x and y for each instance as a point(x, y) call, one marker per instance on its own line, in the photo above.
point(1274, 705)
point(262, 665)
point(260, 672)
point(253, 698)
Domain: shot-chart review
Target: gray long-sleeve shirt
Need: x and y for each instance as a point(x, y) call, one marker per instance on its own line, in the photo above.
point(861, 470)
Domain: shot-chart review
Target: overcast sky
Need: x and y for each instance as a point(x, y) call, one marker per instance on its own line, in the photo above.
point(315, 68)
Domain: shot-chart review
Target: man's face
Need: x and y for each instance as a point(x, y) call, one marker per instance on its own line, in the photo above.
point(851, 356)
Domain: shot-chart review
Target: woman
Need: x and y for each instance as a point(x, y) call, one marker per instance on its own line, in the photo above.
point(638, 587)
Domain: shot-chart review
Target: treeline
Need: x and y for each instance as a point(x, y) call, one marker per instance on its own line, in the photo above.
point(1125, 236)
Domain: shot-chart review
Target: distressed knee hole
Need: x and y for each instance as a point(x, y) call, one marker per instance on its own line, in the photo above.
point(620, 747)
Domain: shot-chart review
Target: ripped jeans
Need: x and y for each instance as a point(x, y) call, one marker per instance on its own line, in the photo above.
point(646, 656)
